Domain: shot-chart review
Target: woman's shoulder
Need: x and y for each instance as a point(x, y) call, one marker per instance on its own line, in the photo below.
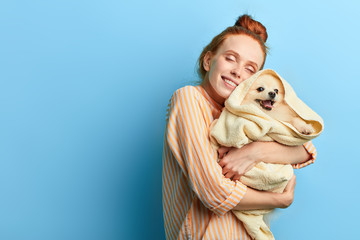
point(189, 91)
point(185, 97)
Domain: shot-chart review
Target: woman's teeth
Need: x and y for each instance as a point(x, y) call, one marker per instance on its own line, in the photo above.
point(230, 82)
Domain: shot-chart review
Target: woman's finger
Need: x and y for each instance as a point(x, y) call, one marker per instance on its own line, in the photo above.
point(236, 177)
point(225, 170)
point(290, 187)
point(293, 181)
point(223, 162)
point(289, 191)
point(222, 151)
point(229, 174)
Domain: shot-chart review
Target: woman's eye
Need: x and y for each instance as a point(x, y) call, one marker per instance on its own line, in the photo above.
point(276, 91)
point(231, 58)
point(250, 69)
point(260, 89)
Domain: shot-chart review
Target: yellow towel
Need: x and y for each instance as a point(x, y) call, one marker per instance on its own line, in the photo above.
point(240, 124)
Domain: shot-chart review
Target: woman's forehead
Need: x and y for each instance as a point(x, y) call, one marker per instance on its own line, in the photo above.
point(245, 46)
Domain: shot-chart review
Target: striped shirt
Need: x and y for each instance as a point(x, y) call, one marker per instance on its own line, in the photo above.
point(197, 198)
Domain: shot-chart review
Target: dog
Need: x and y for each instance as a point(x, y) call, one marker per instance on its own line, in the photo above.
point(267, 93)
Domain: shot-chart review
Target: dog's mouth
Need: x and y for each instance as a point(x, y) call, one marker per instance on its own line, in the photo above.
point(266, 104)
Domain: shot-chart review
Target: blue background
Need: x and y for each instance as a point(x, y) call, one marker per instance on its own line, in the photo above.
point(84, 87)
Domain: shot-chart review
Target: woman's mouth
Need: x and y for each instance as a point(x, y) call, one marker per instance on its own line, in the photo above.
point(229, 82)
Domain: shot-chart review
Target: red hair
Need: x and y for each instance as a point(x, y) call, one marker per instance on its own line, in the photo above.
point(244, 25)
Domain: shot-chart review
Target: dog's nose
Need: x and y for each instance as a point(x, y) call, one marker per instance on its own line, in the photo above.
point(272, 94)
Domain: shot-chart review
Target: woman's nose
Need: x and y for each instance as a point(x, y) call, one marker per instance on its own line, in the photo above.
point(236, 73)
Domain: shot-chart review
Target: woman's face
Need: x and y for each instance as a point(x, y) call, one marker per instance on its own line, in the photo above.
point(238, 58)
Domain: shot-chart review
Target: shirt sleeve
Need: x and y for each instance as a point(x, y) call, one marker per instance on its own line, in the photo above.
point(187, 136)
point(310, 148)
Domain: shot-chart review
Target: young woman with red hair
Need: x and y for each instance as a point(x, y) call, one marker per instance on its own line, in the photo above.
point(199, 192)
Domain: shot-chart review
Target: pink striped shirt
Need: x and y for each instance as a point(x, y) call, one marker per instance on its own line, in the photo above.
point(197, 198)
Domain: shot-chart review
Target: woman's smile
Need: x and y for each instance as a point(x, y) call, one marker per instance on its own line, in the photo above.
point(230, 82)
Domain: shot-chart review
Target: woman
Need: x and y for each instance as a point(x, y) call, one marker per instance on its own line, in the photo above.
point(199, 192)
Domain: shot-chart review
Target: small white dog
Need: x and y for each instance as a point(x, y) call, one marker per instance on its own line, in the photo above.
point(268, 94)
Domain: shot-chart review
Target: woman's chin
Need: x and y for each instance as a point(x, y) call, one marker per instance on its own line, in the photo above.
point(224, 94)
point(220, 93)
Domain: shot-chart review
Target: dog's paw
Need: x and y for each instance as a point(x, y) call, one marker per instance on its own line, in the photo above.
point(303, 127)
point(307, 129)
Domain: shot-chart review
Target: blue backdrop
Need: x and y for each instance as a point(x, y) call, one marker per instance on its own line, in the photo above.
point(84, 87)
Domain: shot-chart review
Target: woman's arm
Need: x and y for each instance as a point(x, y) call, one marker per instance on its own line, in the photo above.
point(254, 199)
point(273, 152)
point(236, 162)
point(188, 143)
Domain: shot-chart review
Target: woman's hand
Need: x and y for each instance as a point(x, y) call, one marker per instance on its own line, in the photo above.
point(288, 193)
point(255, 199)
point(236, 162)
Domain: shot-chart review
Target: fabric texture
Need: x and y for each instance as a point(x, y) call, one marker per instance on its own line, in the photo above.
point(241, 124)
point(197, 198)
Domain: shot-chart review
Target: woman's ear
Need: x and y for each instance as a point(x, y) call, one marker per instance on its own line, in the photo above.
point(207, 61)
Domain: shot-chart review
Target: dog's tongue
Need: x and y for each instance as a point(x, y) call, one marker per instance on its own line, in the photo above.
point(267, 103)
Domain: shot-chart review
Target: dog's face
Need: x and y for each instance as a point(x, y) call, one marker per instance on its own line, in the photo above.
point(266, 92)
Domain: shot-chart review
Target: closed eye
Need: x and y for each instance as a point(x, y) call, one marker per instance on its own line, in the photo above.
point(230, 58)
point(250, 69)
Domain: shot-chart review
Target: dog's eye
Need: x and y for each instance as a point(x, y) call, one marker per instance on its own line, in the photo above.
point(276, 91)
point(260, 89)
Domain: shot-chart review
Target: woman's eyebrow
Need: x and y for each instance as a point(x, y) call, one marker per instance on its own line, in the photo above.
point(238, 56)
point(233, 52)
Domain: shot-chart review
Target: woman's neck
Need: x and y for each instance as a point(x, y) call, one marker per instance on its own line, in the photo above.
point(212, 93)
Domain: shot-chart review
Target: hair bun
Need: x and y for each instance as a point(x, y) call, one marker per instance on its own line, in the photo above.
point(252, 25)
